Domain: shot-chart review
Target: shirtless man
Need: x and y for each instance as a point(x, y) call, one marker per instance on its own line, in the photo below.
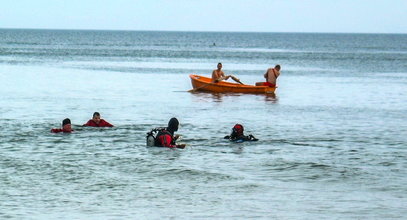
point(271, 76)
point(218, 75)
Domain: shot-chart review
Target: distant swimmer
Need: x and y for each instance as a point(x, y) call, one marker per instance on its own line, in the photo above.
point(66, 127)
point(96, 121)
point(218, 75)
point(271, 76)
point(165, 136)
point(237, 135)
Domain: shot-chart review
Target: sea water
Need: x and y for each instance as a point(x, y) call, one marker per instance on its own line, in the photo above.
point(332, 140)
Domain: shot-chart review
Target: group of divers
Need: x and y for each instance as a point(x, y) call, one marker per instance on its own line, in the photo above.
point(164, 136)
point(160, 136)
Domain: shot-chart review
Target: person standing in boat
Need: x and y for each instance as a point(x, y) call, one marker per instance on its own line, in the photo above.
point(218, 75)
point(271, 76)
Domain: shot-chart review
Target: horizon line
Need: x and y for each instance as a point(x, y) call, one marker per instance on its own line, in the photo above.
point(195, 31)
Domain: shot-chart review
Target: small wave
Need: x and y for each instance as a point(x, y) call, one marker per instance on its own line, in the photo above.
point(260, 50)
point(391, 74)
point(179, 65)
point(314, 142)
point(196, 174)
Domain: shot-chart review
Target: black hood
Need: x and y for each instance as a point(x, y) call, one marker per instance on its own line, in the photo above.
point(173, 125)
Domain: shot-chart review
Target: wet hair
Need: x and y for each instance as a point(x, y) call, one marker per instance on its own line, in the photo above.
point(173, 125)
point(66, 121)
point(219, 63)
point(278, 66)
point(96, 114)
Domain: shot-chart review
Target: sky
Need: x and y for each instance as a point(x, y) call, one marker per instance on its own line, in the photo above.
point(329, 16)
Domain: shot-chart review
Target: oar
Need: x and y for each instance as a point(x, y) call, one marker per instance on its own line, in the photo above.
point(195, 89)
point(236, 79)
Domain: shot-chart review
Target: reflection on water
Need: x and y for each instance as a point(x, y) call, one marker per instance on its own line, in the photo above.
point(238, 150)
point(271, 97)
point(208, 96)
point(219, 97)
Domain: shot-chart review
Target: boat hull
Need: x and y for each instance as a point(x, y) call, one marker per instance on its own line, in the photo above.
point(201, 83)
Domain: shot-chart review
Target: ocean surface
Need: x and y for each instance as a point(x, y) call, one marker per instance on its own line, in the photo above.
point(333, 138)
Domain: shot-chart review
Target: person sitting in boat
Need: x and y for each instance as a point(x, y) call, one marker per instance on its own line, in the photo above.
point(271, 76)
point(96, 121)
point(166, 137)
point(237, 135)
point(66, 127)
point(218, 75)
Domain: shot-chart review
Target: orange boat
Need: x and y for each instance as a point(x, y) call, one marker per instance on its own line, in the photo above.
point(201, 83)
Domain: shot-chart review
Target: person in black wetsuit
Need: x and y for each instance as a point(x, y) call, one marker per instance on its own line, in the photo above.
point(237, 135)
point(166, 137)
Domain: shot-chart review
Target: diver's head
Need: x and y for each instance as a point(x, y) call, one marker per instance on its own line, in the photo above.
point(173, 125)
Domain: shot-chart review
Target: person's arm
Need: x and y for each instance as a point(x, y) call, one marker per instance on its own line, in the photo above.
point(252, 138)
point(266, 75)
point(56, 130)
point(89, 123)
point(181, 146)
point(104, 123)
point(214, 76)
point(222, 74)
point(166, 141)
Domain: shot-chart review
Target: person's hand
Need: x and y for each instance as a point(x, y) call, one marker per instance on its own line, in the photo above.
point(182, 146)
point(176, 136)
